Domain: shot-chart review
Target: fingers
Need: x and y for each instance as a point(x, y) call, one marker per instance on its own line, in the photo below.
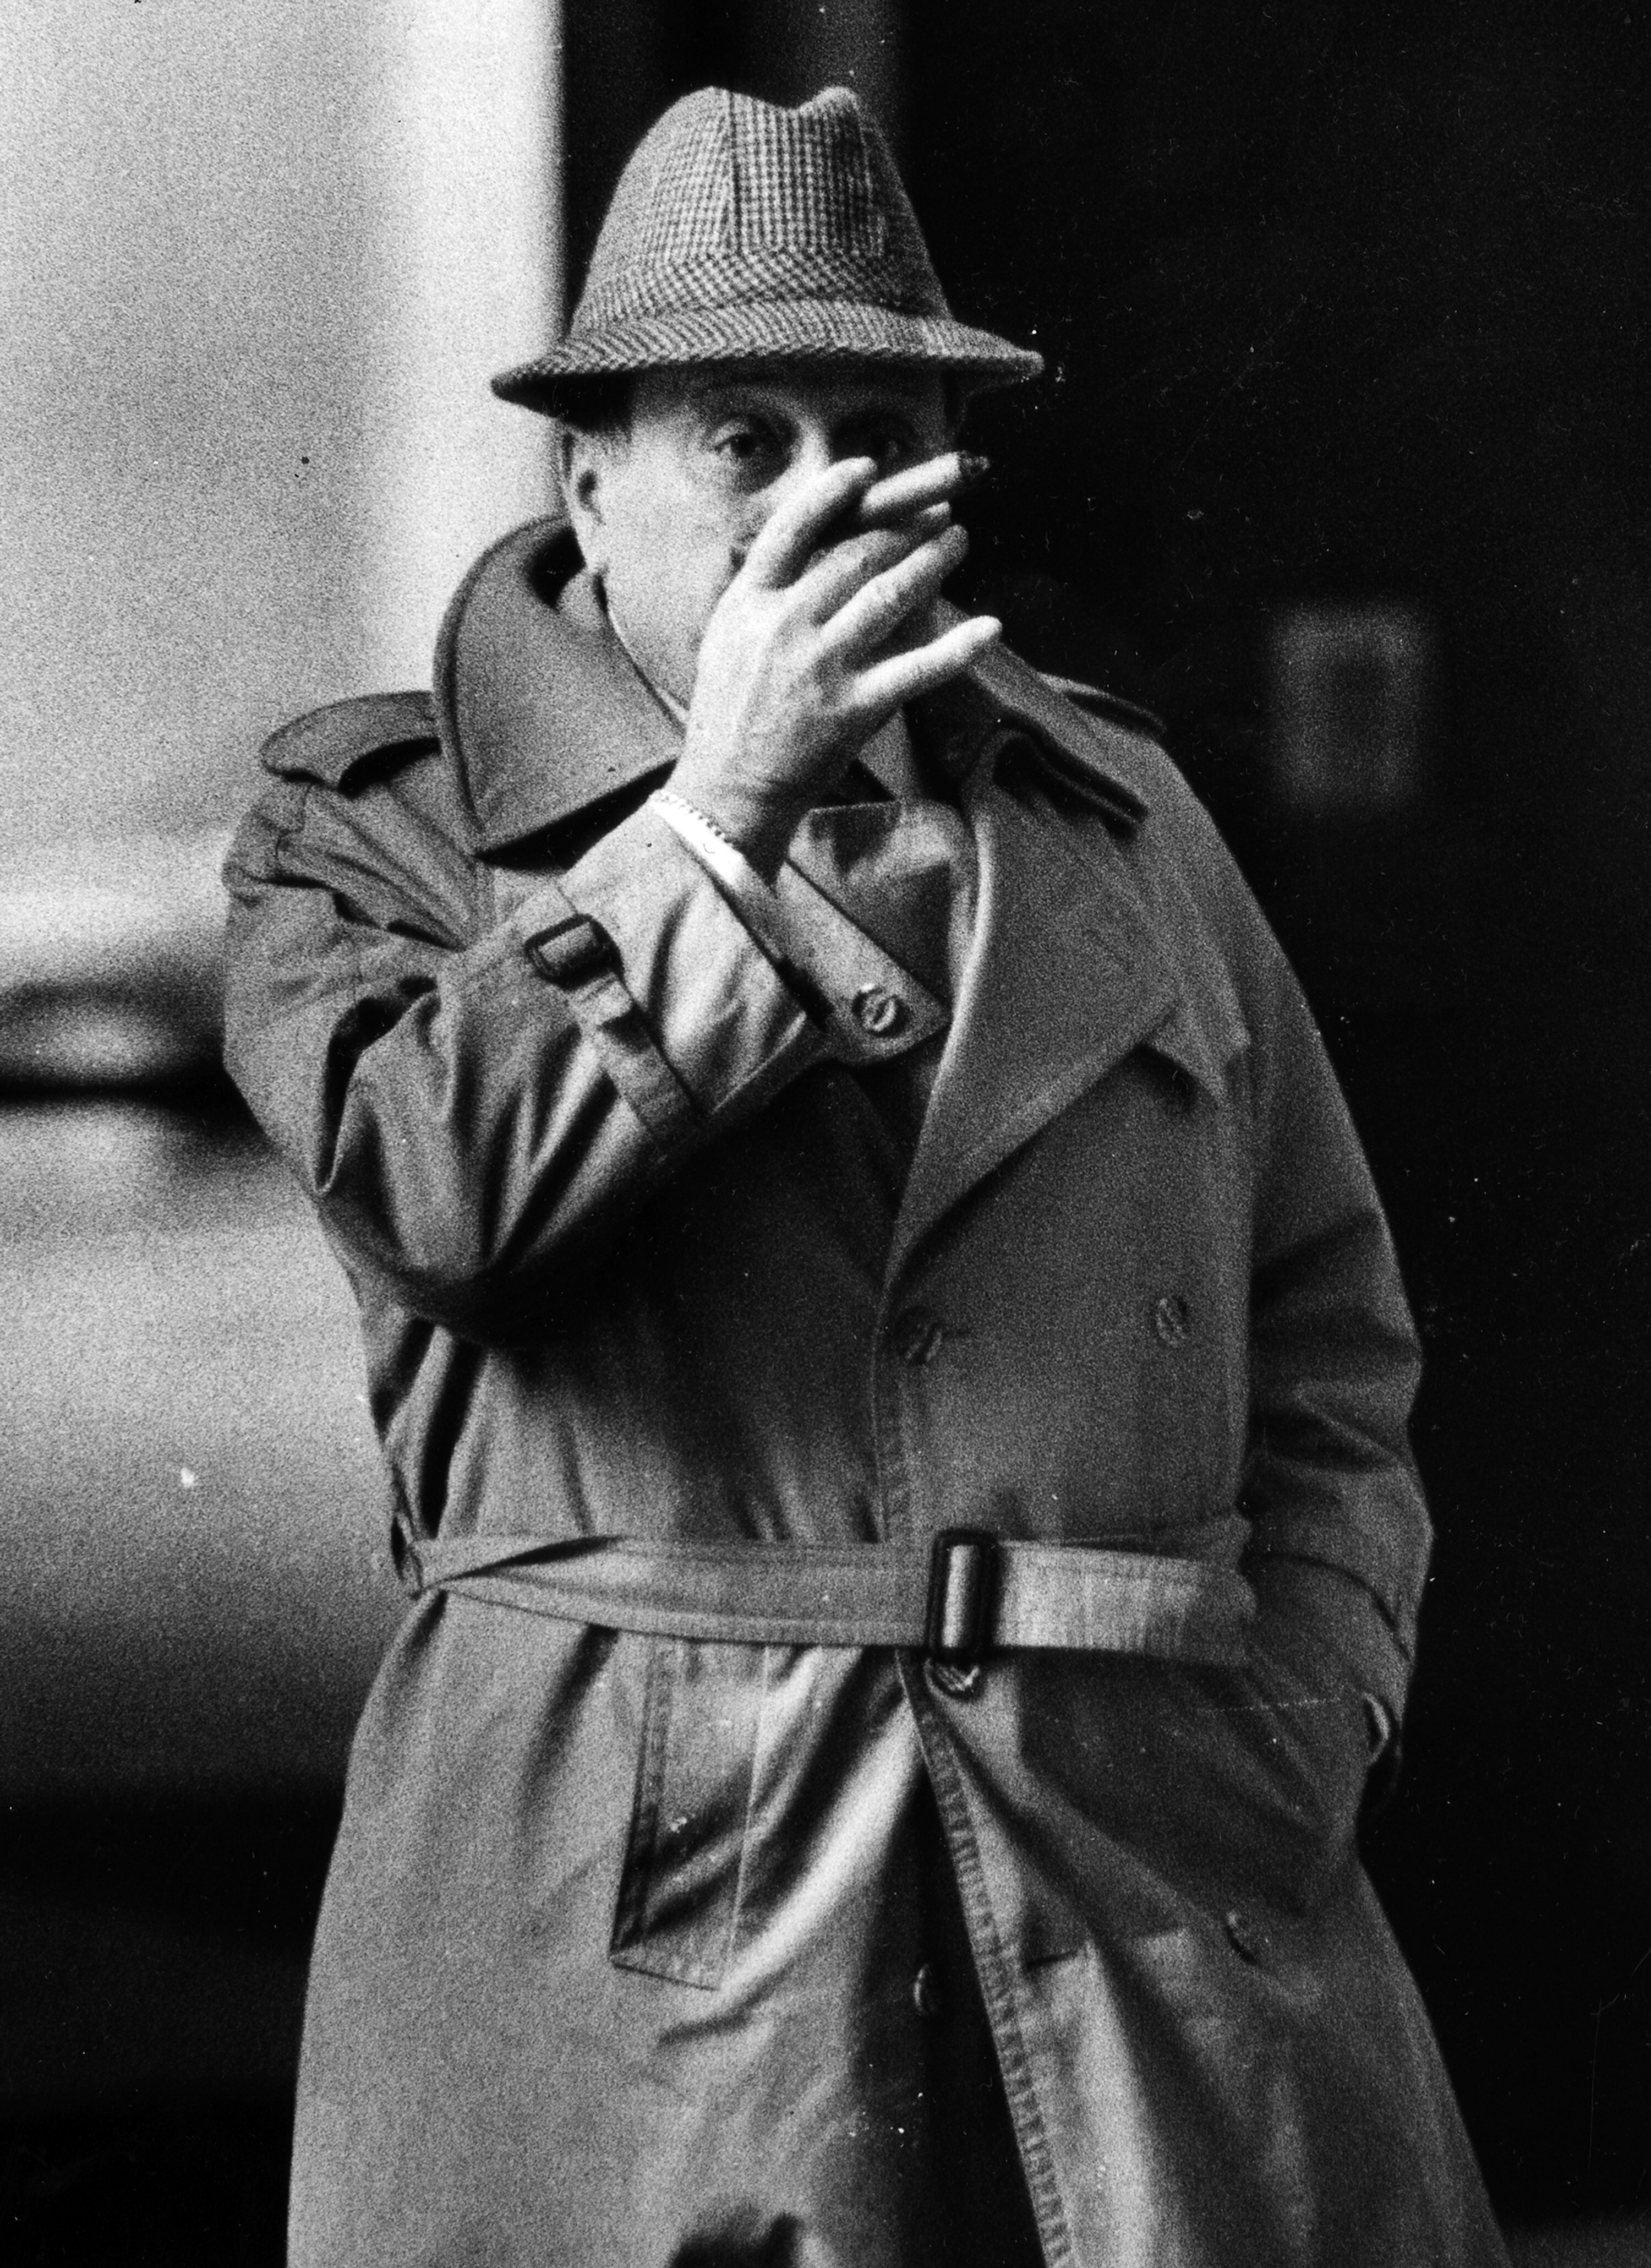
point(887, 685)
point(877, 611)
point(845, 568)
point(792, 533)
point(937, 480)
point(850, 495)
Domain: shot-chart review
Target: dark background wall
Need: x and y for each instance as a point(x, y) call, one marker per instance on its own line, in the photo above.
point(1351, 303)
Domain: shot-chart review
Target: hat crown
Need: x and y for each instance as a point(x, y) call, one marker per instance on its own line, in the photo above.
point(730, 201)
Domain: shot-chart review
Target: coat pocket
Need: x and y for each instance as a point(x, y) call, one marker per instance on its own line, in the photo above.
point(1251, 1776)
point(679, 1887)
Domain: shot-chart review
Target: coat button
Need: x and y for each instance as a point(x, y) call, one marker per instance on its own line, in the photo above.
point(925, 1992)
point(1172, 1319)
point(879, 1011)
point(959, 1681)
point(916, 1336)
point(1245, 1939)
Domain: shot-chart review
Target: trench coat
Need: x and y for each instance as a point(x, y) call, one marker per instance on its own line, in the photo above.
point(645, 1944)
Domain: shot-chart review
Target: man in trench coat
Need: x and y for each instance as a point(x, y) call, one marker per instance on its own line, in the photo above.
point(892, 1370)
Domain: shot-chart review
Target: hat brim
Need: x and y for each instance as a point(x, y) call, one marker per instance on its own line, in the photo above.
point(769, 330)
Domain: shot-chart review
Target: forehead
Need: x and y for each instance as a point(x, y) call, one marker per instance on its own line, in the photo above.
point(832, 392)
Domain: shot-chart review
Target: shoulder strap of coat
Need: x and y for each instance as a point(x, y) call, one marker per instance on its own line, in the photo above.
point(1095, 757)
point(330, 743)
point(1099, 701)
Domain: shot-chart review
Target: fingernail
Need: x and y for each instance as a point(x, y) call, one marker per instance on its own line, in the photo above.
point(971, 469)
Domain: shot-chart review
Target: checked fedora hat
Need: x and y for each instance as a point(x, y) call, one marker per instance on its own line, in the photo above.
point(740, 231)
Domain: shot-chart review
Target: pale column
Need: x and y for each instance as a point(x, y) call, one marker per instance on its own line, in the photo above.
point(257, 259)
point(466, 264)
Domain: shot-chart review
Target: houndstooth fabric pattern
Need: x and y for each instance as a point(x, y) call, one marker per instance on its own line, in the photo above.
point(804, 182)
point(740, 230)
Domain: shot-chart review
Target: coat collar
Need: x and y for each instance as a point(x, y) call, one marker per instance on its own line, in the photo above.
point(549, 719)
point(536, 696)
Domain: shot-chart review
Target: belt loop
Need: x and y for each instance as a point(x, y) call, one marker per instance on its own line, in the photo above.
point(962, 1593)
point(572, 952)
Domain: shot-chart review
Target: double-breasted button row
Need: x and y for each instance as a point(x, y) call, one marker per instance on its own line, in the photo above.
point(917, 1334)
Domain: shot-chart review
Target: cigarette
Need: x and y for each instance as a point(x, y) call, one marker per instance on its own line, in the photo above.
point(935, 481)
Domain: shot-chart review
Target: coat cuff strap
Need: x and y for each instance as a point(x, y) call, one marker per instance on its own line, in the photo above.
point(577, 956)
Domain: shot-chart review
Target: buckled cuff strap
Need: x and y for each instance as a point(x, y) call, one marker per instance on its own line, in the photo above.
point(578, 957)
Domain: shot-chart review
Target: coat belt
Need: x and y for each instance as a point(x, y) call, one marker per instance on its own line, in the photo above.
point(968, 1592)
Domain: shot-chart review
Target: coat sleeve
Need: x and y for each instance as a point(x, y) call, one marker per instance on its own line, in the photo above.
point(1340, 1534)
point(474, 1104)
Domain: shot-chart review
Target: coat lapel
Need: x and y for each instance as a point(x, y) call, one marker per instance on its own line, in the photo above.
point(545, 712)
point(1068, 972)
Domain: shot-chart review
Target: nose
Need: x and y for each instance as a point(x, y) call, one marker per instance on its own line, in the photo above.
point(812, 449)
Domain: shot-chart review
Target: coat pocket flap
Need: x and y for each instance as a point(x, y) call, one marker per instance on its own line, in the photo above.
point(679, 1895)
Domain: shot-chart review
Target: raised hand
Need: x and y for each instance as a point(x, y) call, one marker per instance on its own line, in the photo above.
point(823, 633)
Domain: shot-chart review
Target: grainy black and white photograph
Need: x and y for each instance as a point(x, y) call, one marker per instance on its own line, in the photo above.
point(825, 1134)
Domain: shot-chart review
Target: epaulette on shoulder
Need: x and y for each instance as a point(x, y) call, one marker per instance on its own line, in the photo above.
point(1088, 755)
point(329, 744)
point(1099, 702)
point(1107, 753)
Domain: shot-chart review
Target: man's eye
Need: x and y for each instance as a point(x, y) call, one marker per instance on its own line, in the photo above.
point(743, 445)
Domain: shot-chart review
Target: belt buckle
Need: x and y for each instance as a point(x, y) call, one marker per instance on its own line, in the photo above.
point(962, 1595)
